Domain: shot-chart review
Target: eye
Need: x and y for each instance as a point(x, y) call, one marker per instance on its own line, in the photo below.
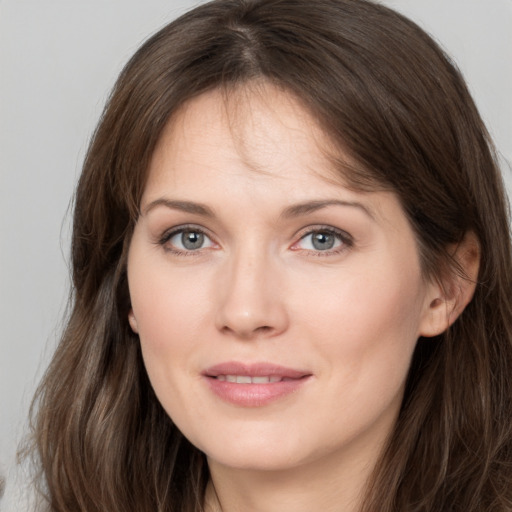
point(328, 240)
point(185, 240)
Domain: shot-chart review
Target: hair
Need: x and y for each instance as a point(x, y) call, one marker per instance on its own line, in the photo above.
point(384, 92)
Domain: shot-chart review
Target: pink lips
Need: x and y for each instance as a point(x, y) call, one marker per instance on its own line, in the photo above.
point(253, 385)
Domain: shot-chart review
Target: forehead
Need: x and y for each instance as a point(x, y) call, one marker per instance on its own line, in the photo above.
point(257, 127)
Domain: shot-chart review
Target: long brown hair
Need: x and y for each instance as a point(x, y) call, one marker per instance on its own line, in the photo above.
point(387, 94)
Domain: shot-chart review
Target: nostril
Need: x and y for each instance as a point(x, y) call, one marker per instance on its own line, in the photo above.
point(263, 329)
point(249, 332)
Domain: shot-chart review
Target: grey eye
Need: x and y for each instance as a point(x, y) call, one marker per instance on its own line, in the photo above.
point(189, 240)
point(323, 241)
point(192, 240)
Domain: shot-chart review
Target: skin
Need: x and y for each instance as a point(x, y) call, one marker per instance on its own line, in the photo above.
point(258, 290)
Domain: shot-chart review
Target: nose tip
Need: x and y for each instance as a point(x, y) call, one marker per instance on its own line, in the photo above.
point(246, 326)
point(252, 304)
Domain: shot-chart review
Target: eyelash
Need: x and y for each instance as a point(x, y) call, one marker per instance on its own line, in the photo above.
point(168, 235)
point(345, 239)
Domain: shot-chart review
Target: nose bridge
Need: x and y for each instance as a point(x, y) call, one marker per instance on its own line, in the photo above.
point(251, 301)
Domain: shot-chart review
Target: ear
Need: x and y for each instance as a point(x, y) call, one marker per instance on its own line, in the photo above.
point(133, 321)
point(448, 295)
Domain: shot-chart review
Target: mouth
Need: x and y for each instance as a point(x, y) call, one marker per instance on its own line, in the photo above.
point(254, 373)
point(254, 385)
point(247, 379)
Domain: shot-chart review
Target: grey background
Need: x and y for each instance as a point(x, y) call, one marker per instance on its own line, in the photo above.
point(58, 61)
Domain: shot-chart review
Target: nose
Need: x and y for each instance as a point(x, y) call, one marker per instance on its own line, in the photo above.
point(251, 298)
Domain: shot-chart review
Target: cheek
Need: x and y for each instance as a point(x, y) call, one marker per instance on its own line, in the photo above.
point(365, 324)
point(170, 325)
point(170, 315)
point(165, 302)
point(366, 332)
point(358, 303)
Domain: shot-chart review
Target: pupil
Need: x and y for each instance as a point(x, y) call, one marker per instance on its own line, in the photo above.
point(192, 240)
point(323, 241)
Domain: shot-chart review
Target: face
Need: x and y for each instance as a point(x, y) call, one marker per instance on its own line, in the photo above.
point(277, 309)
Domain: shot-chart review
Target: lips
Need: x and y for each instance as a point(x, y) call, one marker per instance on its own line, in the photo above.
point(246, 379)
point(253, 385)
point(254, 370)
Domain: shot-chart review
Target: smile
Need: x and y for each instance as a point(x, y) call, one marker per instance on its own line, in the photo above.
point(253, 385)
point(246, 379)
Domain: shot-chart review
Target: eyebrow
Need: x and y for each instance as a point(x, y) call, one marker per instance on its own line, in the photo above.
point(312, 206)
point(295, 210)
point(184, 206)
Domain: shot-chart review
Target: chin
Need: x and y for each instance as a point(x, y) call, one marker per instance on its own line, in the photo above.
point(256, 460)
point(260, 451)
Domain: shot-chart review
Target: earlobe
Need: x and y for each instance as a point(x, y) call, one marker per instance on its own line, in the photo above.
point(133, 322)
point(449, 295)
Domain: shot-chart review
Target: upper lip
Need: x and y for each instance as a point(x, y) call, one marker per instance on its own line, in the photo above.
point(254, 370)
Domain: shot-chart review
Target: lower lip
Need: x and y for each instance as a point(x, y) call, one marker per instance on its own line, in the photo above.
point(254, 395)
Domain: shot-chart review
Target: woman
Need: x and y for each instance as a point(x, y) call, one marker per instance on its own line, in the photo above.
point(291, 270)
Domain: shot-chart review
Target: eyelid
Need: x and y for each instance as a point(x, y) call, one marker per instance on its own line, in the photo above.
point(346, 239)
point(168, 234)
